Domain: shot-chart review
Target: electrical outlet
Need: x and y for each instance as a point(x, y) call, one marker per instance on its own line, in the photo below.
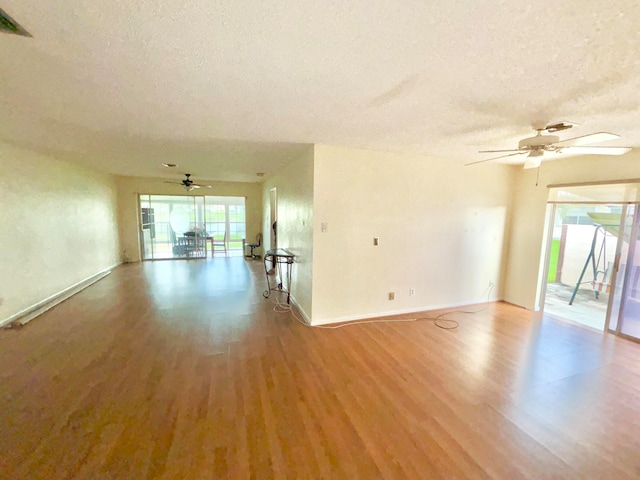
point(412, 291)
point(392, 296)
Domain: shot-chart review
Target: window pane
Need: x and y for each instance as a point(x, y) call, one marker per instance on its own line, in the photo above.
point(226, 214)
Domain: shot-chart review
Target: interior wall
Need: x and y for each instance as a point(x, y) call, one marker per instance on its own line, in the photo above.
point(529, 209)
point(59, 227)
point(441, 228)
point(295, 191)
point(129, 189)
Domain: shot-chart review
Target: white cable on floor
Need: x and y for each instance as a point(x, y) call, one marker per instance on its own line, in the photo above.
point(437, 321)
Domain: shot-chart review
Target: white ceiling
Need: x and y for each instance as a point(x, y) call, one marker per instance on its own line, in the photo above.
point(227, 89)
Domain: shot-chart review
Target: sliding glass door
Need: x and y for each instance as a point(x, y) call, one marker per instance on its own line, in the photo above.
point(581, 253)
point(172, 226)
point(184, 226)
point(608, 264)
point(624, 310)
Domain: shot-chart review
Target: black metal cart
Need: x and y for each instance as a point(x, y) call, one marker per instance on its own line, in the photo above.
point(281, 261)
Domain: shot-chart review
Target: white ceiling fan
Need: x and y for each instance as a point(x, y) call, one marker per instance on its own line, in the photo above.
point(543, 143)
point(188, 184)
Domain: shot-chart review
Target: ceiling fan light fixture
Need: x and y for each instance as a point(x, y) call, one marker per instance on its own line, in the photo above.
point(533, 162)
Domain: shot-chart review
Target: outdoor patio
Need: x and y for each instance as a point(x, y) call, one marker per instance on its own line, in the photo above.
point(586, 308)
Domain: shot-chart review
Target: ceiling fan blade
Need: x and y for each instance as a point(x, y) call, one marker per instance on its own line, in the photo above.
point(174, 183)
point(533, 162)
point(595, 150)
point(495, 158)
point(499, 151)
point(587, 139)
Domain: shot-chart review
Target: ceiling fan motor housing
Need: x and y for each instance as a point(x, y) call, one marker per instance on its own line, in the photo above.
point(187, 181)
point(538, 142)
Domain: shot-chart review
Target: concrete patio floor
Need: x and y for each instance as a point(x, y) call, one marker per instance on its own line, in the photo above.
point(586, 309)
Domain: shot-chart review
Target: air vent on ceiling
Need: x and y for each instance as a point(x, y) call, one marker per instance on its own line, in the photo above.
point(9, 25)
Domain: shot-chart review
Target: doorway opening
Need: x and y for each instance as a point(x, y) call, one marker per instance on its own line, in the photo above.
point(273, 217)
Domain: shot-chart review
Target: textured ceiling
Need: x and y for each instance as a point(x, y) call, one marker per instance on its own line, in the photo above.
point(227, 89)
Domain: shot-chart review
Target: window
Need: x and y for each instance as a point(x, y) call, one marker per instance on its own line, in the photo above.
point(226, 214)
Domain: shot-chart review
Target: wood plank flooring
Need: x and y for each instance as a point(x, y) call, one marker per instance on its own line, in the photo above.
point(181, 370)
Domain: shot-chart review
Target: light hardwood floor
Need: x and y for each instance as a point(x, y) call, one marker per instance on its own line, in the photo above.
point(181, 370)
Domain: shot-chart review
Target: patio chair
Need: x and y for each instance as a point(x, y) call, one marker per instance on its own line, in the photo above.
point(195, 246)
point(219, 243)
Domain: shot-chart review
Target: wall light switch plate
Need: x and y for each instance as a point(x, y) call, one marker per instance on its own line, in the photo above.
point(376, 241)
point(324, 227)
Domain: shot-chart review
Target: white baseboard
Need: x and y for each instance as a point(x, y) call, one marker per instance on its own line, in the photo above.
point(353, 318)
point(29, 313)
point(305, 316)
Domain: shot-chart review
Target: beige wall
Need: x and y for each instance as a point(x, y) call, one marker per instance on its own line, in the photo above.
point(295, 191)
point(529, 208)
point(58, 227)
point(130, 187)
point(442, 230)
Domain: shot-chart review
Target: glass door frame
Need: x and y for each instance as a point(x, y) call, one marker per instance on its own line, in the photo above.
point(195, 203)
point(635, 225)
point(550, 219)
point(615, 277)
